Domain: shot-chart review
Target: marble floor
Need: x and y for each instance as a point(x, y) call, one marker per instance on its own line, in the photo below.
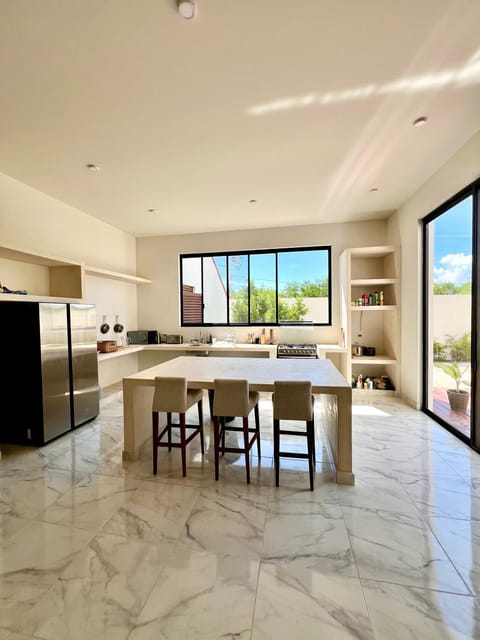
point(94, 548)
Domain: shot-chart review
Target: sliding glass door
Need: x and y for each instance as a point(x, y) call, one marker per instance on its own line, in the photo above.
point(450, 314)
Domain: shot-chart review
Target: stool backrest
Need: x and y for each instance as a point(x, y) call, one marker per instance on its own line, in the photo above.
point(230, 397)
point(170, 395)
point(292, 400)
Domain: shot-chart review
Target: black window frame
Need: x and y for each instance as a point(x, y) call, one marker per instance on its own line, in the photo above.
point(248, 253)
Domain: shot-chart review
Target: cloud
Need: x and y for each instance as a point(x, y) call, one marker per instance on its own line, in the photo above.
point(454, 267)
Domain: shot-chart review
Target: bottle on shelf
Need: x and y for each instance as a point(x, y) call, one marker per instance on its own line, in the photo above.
point(381, 297)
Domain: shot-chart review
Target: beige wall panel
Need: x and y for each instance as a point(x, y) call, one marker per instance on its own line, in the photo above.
point(157, 259)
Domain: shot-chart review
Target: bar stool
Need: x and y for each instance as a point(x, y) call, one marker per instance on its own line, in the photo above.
point(233, 398)
point(293, 400)
point(173, 396)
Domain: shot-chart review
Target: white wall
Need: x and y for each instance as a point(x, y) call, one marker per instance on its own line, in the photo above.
point(32, 220)
point(157, 259)
point(404, 228)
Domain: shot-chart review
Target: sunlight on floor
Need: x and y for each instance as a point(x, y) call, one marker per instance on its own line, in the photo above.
point(367, 410)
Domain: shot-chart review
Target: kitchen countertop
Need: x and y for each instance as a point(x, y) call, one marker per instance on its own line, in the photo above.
point(271, 349)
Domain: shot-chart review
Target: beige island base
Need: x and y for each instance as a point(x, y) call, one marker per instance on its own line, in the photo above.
point(261, 374)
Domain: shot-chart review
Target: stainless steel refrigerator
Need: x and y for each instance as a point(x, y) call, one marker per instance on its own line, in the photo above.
point(48, 370)
point(82, 320)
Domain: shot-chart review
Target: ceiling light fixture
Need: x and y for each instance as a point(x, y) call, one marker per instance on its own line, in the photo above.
point(420, 122)
point(252, 201)
point(152, 211)
point(373, 189)
point(187, 9)
point(92, 167)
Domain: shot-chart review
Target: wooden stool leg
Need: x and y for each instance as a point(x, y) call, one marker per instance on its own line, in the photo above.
point(169, 432)
point(276, 450)
point(183, 445)
point(155, 441)
point(216, 442)
point(257, 428)
point(247, 452)
point(200, 422)
point(311, 451)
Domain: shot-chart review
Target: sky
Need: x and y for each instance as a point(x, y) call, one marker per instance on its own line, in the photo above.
point(293, 266)
point(453, 244)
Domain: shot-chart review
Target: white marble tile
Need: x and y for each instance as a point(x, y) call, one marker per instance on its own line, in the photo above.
point(91, 502)
point(399, 548)
point(461, 541)
point(228, 521)
point(383, 494)
point(100, 594)
point(294, 476)
point(450, 497)
point(295, 602)
point(154, 511)
point(407, 613)
point(200, 596)
point(32, 556)
point(67, 564)
point(320, 542)
point(30, 492)
point(293, 495)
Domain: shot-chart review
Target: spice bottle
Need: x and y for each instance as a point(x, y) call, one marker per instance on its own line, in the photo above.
point(381, 297)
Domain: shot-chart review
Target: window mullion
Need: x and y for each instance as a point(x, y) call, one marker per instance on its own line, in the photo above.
point(276, 288)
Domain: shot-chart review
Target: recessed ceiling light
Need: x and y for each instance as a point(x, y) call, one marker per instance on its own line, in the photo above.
point(92, 167)
point(252, 201)
point(373, 189)
point(152, 211)
point(187, 9)
point(420, 122)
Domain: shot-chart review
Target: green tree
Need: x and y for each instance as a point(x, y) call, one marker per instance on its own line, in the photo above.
point(450, 288)
point(465, 288)
point(460, 348)
point(306, 289)
point(262, 306)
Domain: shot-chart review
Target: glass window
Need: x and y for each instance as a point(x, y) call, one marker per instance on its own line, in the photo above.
point(279, 286)
point(238, 289)
point(215, 289)
point(448, 324)
point(303, 287)
point(263, 294)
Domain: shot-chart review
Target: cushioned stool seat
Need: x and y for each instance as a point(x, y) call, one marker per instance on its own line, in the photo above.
point(173, 396)
point(233, 398)
point(293, 400)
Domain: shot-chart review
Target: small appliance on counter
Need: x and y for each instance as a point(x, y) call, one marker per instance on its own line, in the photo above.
point(172, 338)
point(143, 337)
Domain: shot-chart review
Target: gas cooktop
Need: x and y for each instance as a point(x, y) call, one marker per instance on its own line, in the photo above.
point(296, 351)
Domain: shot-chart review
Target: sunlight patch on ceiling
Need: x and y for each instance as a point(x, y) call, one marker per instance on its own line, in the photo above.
point(463, 76)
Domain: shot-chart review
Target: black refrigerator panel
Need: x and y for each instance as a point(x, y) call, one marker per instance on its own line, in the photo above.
point(34, 372)
point(84, 363)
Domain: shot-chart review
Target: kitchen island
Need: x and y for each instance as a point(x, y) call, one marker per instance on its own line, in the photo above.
point(261, 374)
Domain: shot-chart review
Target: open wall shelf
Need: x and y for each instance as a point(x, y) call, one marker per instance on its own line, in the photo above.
point(365, 270)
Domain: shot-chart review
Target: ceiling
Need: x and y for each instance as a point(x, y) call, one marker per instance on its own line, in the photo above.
point(303, 106)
